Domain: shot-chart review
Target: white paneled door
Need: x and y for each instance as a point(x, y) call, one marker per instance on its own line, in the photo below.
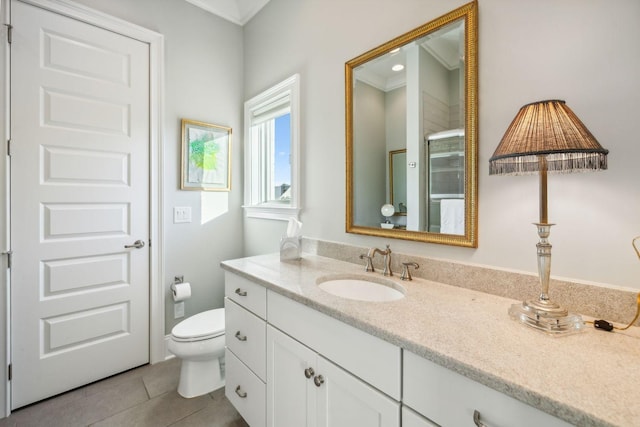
point(79, 201)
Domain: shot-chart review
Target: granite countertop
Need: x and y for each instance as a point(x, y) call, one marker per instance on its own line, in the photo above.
point(586, 379)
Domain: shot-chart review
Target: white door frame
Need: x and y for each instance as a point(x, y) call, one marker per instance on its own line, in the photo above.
point(156, 112)
point(5, 296)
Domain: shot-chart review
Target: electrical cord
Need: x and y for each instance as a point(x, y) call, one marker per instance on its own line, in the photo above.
point(635, 318)
point(608, 326)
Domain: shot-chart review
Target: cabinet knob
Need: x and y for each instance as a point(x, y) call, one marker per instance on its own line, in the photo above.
point(241, 292)
point(239, 392)
point(319, 380)
point(308, 372)
point(476, 419)
point(240, 336)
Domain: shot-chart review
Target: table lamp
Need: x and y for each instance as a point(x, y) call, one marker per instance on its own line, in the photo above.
point(546, 137)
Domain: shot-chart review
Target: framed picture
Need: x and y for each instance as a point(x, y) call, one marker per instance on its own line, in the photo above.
point(206, 157)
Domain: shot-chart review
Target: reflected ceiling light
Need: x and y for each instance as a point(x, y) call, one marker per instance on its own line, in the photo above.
point(398, 67)
point(396, 50)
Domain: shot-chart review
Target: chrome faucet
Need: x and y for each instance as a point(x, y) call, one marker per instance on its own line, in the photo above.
point(406, 273)
point(368, 266)
point(387, 259)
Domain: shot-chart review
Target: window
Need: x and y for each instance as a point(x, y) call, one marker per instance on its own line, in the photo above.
point(271, 129)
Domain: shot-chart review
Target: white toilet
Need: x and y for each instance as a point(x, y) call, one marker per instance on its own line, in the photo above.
point(199, 342)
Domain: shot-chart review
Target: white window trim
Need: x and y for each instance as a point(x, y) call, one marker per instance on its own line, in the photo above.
point(252, 205)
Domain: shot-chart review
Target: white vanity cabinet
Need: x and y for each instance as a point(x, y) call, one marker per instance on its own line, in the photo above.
point(369, 358)
point(450, 399)
point(322, 372)
point(289, 365)
point(305, 389)
point(245, 354)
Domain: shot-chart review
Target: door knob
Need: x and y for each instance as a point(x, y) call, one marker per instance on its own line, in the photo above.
point(137, 244)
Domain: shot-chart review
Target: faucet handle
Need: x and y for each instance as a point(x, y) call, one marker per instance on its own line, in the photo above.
point(406, 273)
point(369, 265)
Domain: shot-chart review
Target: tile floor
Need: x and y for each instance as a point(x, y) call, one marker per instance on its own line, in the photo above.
point(145, 396)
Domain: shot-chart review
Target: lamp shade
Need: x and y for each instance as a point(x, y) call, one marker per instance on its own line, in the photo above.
point(547, 135)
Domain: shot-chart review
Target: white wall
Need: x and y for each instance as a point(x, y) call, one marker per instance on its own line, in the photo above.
point(395, 121)
point(203, 81)
point(370, 157)
point(583, 51)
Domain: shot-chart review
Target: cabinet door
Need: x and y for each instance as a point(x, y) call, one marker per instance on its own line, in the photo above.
point(345, 401)
point(290, 394)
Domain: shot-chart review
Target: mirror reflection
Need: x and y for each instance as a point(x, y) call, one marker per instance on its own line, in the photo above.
point(398, 180)
point(411, 113)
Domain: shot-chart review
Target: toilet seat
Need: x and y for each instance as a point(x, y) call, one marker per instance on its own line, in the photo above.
point(199, 327)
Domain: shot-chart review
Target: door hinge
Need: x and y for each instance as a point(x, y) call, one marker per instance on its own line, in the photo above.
point(9, 147)
point(9, 255)
point(10, 372)
point(9, 32)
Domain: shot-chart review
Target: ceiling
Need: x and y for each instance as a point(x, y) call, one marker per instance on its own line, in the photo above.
point(445, 45)
point(237, 11)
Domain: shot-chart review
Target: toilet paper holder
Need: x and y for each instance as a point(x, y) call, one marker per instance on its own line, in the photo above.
point(180, 289)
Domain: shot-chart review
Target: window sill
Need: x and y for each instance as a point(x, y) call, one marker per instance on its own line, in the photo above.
point(279, 213)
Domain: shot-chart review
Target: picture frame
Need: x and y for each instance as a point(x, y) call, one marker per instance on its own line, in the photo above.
point(206, 157)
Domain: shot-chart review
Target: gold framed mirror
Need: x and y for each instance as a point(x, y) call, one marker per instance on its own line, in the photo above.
point(427, 108)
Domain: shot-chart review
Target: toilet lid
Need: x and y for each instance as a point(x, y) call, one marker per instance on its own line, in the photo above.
point(201, 326)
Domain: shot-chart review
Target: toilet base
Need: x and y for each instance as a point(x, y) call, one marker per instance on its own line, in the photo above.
point(200, 377)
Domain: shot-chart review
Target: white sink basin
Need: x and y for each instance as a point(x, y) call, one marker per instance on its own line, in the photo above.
point(362, 289)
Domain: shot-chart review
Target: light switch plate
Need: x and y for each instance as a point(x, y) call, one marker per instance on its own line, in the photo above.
point(181, 214)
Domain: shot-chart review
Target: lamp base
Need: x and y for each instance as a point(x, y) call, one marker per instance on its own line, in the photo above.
point(547, 316)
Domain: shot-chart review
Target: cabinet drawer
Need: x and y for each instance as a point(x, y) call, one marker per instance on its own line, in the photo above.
point(371, 359)
point(245, 336)
point(450, 399)
point(245, 391)
point(250, 295)
point(412, 419)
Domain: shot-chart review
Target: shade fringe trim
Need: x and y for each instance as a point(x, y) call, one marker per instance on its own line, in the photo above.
point(556, 163)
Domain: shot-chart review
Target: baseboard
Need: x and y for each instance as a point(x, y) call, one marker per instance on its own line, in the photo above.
point(167, 354)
